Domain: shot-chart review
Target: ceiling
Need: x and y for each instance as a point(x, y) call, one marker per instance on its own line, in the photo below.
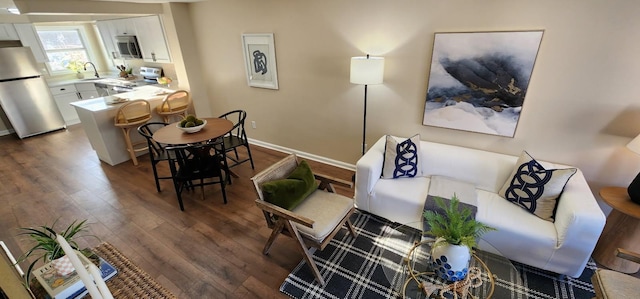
point(5, 4)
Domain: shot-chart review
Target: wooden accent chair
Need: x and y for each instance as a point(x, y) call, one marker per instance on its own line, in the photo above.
point(129, 116)
point(175, 103)
point(609, 284)
point(315, 221)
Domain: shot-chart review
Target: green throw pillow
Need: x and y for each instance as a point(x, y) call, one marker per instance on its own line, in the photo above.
point(290, 192)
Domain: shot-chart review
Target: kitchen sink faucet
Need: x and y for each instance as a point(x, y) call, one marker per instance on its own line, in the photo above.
point(94, 68)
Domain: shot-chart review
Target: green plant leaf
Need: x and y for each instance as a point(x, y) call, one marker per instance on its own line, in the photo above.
point(455, 226)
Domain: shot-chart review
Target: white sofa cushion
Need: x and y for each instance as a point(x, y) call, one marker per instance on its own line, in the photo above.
point(518, 235)
point(487, 170)
point(401, 200)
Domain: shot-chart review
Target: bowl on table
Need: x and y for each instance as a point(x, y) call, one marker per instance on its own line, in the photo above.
point(192, 129)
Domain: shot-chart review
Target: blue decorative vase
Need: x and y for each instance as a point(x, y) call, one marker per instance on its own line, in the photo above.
point(450, 262)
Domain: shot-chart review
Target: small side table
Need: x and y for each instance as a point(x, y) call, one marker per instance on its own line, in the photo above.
point(622, 230)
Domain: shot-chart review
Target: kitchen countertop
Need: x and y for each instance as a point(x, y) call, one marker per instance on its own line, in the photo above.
point(71, 79)
point(146, 92)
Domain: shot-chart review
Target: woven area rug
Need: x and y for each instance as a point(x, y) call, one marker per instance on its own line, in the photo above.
point(356, 267)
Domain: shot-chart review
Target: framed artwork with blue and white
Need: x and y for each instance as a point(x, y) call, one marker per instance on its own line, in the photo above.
point(478, 80)
point(260, 60)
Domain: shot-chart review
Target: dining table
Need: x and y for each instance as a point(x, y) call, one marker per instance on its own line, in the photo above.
point(214, 128)
point(171, 134)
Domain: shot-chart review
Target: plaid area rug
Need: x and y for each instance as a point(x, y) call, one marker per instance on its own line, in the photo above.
point(356, 267)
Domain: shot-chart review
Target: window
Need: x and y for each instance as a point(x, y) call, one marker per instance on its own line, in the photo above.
point(65, 47)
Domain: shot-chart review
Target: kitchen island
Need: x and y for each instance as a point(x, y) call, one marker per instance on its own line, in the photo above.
point(97, 119)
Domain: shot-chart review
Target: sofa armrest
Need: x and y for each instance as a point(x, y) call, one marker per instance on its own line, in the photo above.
point(578, 214)
point(579, 220)
point(368, 172)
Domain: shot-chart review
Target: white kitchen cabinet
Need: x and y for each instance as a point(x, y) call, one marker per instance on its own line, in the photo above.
point(151, 38)
point(86, 91)
point(123, 26)
point(8, 32)
point(148, 30)
point(63, 95)
point(107, 34)
point(29, 38)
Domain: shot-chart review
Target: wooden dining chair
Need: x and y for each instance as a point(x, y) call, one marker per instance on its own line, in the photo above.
point(315, 219)
point(198, 165)
point(176, 103)
point(131, 115)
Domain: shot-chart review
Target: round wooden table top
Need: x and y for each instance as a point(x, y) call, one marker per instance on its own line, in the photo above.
point(214, 128)
point(618, 198)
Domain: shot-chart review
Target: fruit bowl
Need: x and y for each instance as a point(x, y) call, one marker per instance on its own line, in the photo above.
point(192, 129)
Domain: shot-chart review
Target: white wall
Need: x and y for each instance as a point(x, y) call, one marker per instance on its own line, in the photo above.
point(582, 106)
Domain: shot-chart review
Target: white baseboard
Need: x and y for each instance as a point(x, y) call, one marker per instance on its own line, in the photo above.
point(6, 132)
point(305, 155)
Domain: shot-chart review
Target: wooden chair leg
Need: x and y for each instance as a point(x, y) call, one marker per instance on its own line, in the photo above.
point(274, 234)
point(127, 140)
point(350, 227)
point(305, 252)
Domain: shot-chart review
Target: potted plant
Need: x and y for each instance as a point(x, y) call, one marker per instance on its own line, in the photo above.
point(46, 247)
point(76, 66)
point(456, 232)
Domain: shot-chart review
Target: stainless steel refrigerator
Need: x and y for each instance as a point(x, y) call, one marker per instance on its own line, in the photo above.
point(24, 94)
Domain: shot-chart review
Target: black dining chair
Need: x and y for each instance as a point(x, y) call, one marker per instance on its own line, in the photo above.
point(237, 137)
point(198, 165)
point(157, 152)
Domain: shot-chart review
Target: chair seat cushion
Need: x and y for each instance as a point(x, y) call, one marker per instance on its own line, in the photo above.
point(614, 285)
point(326, 210)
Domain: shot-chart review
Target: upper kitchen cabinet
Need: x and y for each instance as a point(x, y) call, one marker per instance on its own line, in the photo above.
point(148, 30)
point(153, 43)
point(29, 38)
point(123, 27)
point(8, 32)
point(107, 33)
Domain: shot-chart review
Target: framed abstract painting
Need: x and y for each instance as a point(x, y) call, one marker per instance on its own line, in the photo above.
point(478, 80)
point(260, 60)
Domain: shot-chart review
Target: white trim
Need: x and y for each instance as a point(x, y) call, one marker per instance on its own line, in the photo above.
point(305, 155)
point(6, 132)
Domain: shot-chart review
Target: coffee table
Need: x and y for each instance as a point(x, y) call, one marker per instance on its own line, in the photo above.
point(407, 255)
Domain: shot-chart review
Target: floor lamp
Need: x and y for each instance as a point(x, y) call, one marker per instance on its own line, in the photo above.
point(365, 71)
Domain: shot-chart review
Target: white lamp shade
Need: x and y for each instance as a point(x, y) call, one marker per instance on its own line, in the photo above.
point(367, 70)
point(634, 145)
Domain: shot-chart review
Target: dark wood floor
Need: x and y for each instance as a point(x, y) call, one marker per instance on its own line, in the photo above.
point(211, 250)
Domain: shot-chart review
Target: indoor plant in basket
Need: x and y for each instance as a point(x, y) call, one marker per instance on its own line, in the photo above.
point(46, 247)
point(456, 232)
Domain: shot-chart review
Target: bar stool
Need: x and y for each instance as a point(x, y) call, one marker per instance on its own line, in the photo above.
point(131, 115)
point(175, 103)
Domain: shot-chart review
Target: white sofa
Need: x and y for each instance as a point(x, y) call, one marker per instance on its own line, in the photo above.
point(563, 246)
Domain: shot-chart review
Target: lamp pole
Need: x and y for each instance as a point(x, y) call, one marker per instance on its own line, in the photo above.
point(364, 118)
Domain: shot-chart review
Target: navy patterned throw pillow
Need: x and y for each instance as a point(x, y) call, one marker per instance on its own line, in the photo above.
point(534, 188)
point(401, 158)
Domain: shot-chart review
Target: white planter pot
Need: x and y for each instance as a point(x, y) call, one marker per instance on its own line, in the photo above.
point(450, 262)
point(63, 266)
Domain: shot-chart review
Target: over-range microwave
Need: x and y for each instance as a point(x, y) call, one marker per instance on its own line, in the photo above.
point(128, 46)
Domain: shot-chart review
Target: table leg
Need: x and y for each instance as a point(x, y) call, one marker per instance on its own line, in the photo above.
point(620, 231)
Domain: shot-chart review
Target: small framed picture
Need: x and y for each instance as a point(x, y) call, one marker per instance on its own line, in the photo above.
point(260, 60)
